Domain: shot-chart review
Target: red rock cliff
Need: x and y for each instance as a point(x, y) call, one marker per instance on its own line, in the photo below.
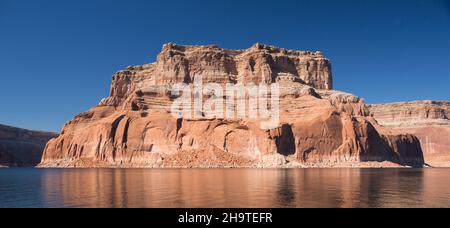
point(319, 127)
point(428, 120)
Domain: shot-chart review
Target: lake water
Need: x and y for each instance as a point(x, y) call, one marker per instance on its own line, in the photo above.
point(241, 188)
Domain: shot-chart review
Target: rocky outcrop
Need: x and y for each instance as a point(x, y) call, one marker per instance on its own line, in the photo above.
point(318, 127)
point(20, 147)
point(428, 120)
point(260, 63)
point(412, 114)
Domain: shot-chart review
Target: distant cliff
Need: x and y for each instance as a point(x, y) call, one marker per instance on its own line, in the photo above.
point(412, 114)
point(318, 127)
point(428, 120)
point(20, 147)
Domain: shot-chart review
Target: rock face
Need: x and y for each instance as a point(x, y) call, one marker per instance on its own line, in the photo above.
point(412, 114)
point(257, 64)
point(19, 147)
point(428, 120)
point(318, 127)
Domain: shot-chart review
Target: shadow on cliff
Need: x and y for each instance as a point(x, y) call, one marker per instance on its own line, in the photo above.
point(286, 141)
point(405, 150)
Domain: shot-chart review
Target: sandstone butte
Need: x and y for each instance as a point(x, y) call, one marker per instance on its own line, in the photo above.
point(320, 127)
point(20, 147)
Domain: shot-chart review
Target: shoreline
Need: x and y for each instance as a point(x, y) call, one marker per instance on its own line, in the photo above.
point(371, 165)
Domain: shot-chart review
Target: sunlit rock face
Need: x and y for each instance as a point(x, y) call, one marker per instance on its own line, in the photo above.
point(20, 147)
point(318, 127)
point(416, 113)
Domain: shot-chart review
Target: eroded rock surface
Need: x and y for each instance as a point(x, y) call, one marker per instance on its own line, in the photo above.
point(428, 120)
point(319, 127)
point(412, 114)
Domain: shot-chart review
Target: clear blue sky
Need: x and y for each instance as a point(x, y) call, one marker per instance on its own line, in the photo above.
point(57, 56)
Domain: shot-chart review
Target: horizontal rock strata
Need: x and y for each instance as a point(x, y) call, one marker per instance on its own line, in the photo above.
point(319, 127)
point(20, 147)
point(428, 120)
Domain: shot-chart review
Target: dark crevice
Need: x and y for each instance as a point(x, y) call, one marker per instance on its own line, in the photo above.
point(179, 124)
point(81, 151)
point(125, 132)
point(306, 154)
point(286, 141)
point(252, 63)
point(134, 106)
point(114, 127)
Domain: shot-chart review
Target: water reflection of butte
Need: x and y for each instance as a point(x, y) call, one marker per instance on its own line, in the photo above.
point(243, 188)
point(78, 188)
point(329, 188)
point(387, 188)
point(202, 188)
point(135, 188)
point(226, 188)
point(436, 187)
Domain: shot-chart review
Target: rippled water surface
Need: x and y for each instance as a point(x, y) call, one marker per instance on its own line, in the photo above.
point(225, 188)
